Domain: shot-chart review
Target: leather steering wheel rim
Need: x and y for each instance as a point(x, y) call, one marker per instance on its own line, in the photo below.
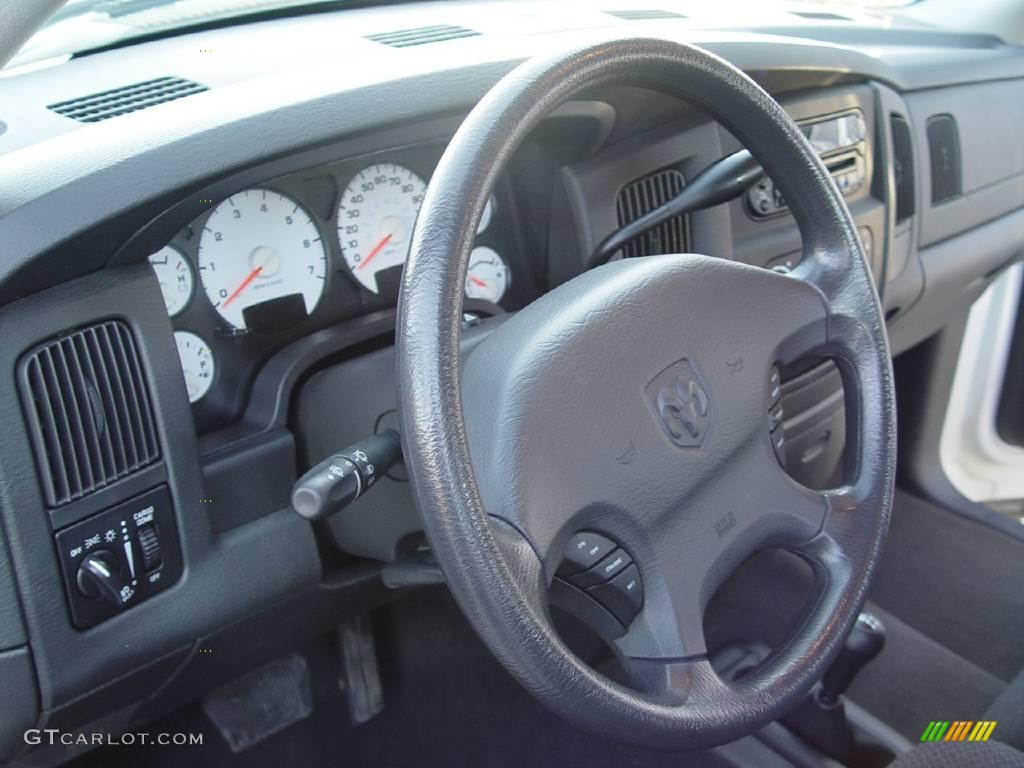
point(484, 440)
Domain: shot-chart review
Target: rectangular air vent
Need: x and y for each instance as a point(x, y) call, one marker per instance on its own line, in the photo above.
point(944, 155)
point(405, 38)
point(642, 15)
point(643, 196)
point(821, 16)
point(903, 167)
point(129, 98)
point(88, 411)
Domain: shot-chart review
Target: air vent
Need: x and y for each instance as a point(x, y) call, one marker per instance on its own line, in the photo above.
point(642, 15)
point(643, 196)
point(821, 16)
point(944, 154)
point(903, 167)
point(129, 98)
point(88, 411)
point(405, 38)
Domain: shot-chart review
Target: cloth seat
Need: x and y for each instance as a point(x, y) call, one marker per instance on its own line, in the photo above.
point(1008, 712)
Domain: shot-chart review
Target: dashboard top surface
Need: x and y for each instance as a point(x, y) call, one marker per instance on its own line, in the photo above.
point(261, 104)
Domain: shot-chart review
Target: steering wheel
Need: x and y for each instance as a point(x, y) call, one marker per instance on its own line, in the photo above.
point(633, 401)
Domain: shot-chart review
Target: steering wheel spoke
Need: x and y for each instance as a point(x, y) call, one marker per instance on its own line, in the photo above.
point(672, 681)
point(749, 506)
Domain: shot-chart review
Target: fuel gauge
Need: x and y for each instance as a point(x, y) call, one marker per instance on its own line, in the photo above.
point(197, 364)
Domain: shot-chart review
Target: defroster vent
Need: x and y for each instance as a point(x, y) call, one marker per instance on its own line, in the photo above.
point(643, 196)
point(645, 14)
point(407, 38)
point(129, 98)
point(88, 411)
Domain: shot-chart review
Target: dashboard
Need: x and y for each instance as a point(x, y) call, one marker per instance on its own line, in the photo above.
point(227, 263)
point(285, 256)
point(270, 261)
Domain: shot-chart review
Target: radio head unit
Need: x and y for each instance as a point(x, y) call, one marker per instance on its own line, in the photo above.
point(840, 141)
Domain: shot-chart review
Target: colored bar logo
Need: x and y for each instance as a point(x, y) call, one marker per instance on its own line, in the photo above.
point(958, 730)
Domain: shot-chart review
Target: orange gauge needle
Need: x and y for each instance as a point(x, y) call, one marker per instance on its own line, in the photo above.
point(249, 278)
point(477, 281)
point(376, 249)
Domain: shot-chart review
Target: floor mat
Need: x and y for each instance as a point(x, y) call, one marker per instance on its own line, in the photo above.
point(959, 582)
point(448, 704)
point(949, 590)
point(914, 680)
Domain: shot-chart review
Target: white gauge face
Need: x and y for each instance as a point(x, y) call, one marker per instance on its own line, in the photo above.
point(488, 276)
point(375, 219)
point(175, 277)
point(486, 216)
point(259, 245)
point(197, 364)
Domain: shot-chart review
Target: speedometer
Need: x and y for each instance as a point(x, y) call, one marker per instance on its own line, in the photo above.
point(259, 245)
point(375, 219)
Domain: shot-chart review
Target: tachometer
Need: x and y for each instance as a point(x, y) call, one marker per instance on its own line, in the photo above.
point(375, 219)
point(259, 245)
point(197, 364)
point(175, 276)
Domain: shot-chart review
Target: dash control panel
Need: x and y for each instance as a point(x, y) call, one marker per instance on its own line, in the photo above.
point(119, 557)
point(776, 416)
point(841, 142)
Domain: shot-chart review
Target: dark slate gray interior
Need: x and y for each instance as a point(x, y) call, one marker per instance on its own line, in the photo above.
point(82, 206)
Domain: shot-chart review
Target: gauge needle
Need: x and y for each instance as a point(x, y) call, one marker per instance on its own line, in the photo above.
point(477, 281)
point(249, 278)
point(376, 249)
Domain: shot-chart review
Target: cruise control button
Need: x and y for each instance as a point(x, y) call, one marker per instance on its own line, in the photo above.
point(779, 444)
point(774, 416)
point(623, 596)
point(603, 571)
point(583, 551)
point(774, 385)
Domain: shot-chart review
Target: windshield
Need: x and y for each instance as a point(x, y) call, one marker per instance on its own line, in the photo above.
point(83, 25)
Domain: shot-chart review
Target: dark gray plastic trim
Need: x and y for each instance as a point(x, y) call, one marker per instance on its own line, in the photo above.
point(135, 163)
point(225, 576)
point(956, 272)
point(988, 117)
point(19, 705)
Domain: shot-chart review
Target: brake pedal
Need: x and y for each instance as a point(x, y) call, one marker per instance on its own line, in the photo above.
point(360, 675)
point(261, 703)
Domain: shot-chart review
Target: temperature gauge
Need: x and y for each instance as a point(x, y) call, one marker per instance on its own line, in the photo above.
point(488, 276)
point(197, 364)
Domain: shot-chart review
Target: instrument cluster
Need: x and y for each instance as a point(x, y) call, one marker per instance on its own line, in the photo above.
point(276, 261)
